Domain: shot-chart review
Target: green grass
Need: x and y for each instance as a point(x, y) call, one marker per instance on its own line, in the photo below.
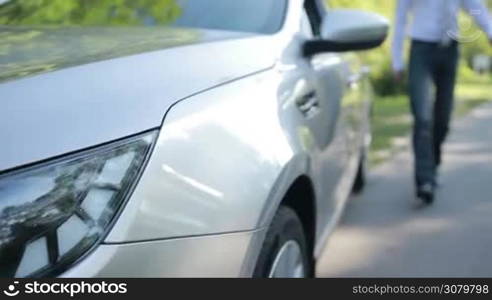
point(392, 119)
point(472, 94)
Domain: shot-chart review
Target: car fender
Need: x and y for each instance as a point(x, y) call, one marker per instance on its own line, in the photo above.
point(221, 164)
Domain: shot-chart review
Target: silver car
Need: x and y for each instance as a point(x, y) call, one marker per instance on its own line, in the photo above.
point(224, 144)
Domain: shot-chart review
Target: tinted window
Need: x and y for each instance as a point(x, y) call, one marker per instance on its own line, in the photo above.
point(262, 16)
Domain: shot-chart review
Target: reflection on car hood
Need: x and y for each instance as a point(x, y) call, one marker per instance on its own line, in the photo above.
point(27, 51)
point(66, 89)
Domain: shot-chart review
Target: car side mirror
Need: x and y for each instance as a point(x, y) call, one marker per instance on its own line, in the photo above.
point(349, 30)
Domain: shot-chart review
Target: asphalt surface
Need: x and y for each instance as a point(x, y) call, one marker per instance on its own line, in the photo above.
point(384, 233)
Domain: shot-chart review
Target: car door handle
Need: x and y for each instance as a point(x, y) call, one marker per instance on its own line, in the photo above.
point(308, 104)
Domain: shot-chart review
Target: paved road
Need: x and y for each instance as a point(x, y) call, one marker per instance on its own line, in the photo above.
point(384, 235)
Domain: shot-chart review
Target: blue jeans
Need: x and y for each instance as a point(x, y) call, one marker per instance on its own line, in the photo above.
point(432, 78)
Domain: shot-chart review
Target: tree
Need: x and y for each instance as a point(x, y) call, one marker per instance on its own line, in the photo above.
point(88, 12)
point(45, 35)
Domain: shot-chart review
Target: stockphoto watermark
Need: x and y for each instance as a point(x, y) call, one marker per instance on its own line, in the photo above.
point(71, 289)
point(467, 33)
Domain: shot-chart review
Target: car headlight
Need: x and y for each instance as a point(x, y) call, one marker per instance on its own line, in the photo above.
point(52, 214)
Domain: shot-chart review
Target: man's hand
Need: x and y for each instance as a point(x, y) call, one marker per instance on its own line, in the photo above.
point(398, 76)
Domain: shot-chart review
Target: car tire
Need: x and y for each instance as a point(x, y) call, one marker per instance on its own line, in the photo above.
point(285, 238)
point(360, 179)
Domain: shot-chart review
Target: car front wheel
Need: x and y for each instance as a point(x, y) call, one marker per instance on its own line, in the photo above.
point(284, 253)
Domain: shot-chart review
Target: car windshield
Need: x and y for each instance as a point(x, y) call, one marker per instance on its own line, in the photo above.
point(259, 16)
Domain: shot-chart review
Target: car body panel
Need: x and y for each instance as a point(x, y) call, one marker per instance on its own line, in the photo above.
point(103, 101)
point(214, 165)
point(225, 159)
point(206, 256)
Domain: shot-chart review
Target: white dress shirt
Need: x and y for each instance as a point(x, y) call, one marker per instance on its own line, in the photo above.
point(434, 21)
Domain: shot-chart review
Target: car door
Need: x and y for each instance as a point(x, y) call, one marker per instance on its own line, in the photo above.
point(329, 88)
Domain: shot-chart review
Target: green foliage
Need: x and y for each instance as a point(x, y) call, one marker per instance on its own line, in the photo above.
point(47, 39)
point(380, 59)
point(45, 35)
point(88, 12)
point(382, 78)
point(27, 51)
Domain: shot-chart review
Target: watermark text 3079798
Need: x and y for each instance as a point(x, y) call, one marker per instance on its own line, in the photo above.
point(443, 289)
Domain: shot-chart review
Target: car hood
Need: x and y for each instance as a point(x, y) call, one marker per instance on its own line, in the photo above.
point(62, 90)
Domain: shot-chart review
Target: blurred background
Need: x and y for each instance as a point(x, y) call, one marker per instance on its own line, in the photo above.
point(392, 119)
point(382, 234)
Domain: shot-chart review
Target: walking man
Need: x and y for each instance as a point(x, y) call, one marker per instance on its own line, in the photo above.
point(433, 29)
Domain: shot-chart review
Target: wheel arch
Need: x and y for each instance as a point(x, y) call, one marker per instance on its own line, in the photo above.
point(299, 195)
point(301, 198)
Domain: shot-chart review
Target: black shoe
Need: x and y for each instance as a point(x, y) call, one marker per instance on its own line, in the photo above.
point(425, 193)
